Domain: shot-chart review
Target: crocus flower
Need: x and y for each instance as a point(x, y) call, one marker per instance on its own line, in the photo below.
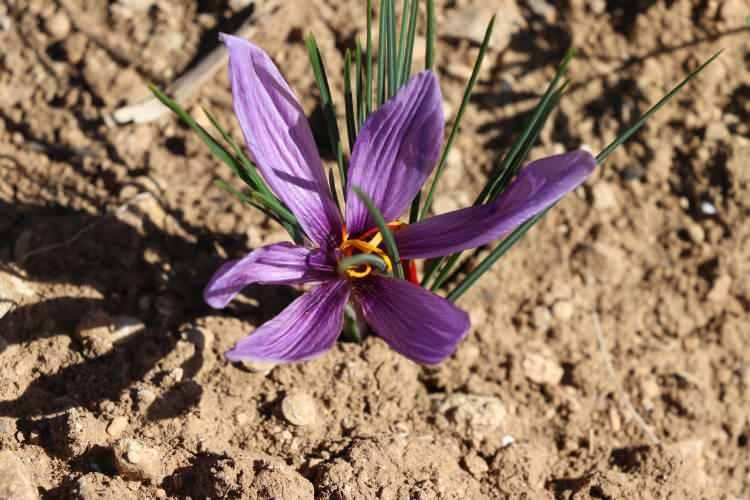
point(395, 151)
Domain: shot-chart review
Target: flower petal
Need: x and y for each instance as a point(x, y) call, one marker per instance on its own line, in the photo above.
point(395, 151)
point(308, 327)
point(280, 141)
point(277, 264)
point(415, 322)
point(540, 184)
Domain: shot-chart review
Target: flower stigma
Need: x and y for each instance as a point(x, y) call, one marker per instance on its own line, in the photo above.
point(368, 243)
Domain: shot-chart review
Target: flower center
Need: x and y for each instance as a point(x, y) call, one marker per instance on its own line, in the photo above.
point(368, 243)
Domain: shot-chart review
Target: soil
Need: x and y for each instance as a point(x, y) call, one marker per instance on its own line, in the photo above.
point(630, 299)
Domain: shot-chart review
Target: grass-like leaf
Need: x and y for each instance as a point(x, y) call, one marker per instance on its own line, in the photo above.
point(360, 98)
point(382, 56)
point(351, 119)
point(392, 48)
point(328, 109)
point(361, 259)
point(390, 243)
point(457, 122)
point(639, 123)
point(493, 257)
point(368, 65)
point(492, 188)
point(408, 51)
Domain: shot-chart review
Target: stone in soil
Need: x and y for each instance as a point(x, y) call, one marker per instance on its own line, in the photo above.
point(137, 461)
point(299, 409)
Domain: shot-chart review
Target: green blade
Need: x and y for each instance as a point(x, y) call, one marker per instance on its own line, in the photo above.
point(368, 69)
point(457, 121)
point(488, 261)
point(401, 54)
point(409, 50)
point(328, 109)
point(358, 87)
point(390, 243)
point(382, 42)
point(360, 259)
point(351, 119)
point(638, 124)
point(392, 49)
point(493, 182)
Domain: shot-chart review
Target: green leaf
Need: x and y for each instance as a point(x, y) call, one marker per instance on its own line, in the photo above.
point(368, 69)
point(327, 103)
point(488, 261)
point(493, 183)
point(358, 87)
point(361, 259)
point(429, 56)
point(382, 56)
point(601, 157)
point(400, 54)
point(457, 121)
point(392, 49)
point(410, 36)
point(390, 243)
point(351, 119)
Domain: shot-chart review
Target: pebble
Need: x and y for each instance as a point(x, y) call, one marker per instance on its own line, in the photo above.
point(563, 310)
point(15, 480)
point(604, 196)
point(117, 426)
point(262, 367)
point(720, 290)
point(98, 331)
point(75, 431)
point(708, 208)
point(541, 317)
point(299, 408)
point(475, 464)
point(58, 25)
point(696, 232)
point(145, 397)
point(237, 5)
point(136, 461)
point(717, 131)
point(542, 369)
point(12, 292)
point(474, 414)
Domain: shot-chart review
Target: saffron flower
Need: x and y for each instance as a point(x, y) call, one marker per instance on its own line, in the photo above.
point(395, 152)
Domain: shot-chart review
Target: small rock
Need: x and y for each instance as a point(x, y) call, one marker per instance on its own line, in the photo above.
point(117, 426)
point(299, 408)
point(136, 5)
point(717, 131)
point(542, 9)
point(720, 290)
point(15, 480)
point(475, 464)
point(98, 331)
point(58, 25)
point(563, 310)
point(144, 397)
point(615, 421)
point(542, 370)
point(604, 196)
point(262, 367)
point(650, 389)
point(75, 431)
point(13, 291)
point(708, 208)
point(138, 462)
point(696, 232)
point(477, 415)
point(541, 317)
point(470, 23)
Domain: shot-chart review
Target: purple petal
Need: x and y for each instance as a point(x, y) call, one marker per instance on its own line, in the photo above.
point(280, 141)
point(540, 184)
point(308, 327)
point(395, 151)
point(277, 264)
point(415, 322)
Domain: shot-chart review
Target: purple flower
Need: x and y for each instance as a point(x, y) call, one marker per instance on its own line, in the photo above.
point(394, 154)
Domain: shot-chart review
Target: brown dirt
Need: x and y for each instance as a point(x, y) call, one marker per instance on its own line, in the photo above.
point(114, 385)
